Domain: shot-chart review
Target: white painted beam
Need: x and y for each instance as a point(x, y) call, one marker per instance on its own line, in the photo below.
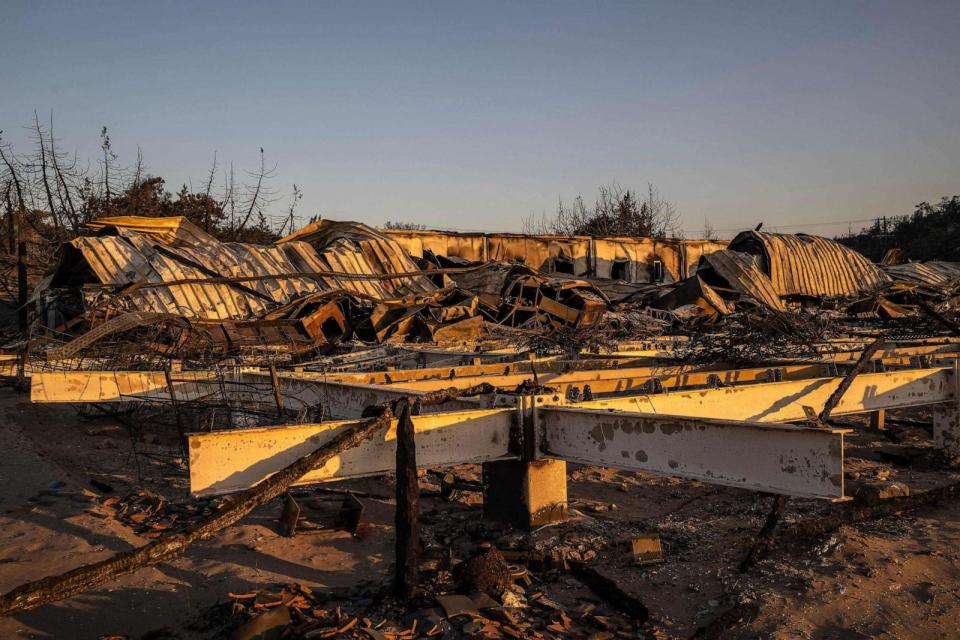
point(341, 400)
point(118, 386)
point(229, 461)
point(784, 401)
point(786, 459)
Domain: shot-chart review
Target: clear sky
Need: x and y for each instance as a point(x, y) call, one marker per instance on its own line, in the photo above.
point(473, 115)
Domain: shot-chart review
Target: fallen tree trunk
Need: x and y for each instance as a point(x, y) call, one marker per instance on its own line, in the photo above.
point(850, 513)
point(76, 581)
point(71, 583)
point(857, 369)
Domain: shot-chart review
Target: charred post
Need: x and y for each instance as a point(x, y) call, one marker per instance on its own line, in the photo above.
point(408, 494)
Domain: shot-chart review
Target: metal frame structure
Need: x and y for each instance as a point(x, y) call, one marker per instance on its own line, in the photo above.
point(616, 412)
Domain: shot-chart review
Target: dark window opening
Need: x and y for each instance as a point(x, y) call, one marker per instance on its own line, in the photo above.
point(620, 270)
point(563, 265)
point(657, 271)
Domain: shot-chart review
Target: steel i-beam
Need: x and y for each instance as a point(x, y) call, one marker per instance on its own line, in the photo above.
point(792, 460)
point(229, 461)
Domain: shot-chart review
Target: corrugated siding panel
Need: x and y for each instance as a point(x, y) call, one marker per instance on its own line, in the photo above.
point(338, 242)
point(132, 257)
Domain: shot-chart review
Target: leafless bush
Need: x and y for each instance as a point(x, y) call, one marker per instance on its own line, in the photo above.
point(616, 212)
point(55, 195)
point(406, 226)
point(709, 233)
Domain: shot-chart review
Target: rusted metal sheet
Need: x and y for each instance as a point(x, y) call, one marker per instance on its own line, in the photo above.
point(228, 461)
point(695, 291)
point(741, 272)
point(467, 246)
point(628, 259)
point(934, 273)
point(126, 260)
point(784, 401)
point(551, 254)
point(355, 248)
point(518, 296)
point(168, 230)
point(786, 459)
point(805, 265)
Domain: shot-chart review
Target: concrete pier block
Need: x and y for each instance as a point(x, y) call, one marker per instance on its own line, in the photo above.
point(525, 494)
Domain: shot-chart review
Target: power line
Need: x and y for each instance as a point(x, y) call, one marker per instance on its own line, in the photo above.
point(802, 225)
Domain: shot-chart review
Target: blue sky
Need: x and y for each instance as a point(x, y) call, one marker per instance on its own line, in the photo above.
point(473, 115)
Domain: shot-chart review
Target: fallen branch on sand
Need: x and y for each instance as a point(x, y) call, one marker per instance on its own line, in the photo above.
point(76, 581)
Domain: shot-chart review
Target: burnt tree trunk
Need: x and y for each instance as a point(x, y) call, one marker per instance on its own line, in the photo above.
point(76, 581)
point(858, 368)
point(71, 583)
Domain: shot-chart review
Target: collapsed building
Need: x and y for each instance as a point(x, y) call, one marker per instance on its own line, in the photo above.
point(776, 270)
point(333, 280)
point(633, 260)
point(313, 288)
point(391, 351)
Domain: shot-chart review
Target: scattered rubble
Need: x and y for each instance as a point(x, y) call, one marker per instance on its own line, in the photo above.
point(154, 322)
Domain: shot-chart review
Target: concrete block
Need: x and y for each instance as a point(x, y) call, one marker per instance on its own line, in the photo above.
point(525, 494)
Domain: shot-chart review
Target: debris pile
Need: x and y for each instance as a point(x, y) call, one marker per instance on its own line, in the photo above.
point(522, 609)
point(342, 352)
point(150, 515)
point(325, 284)
point(341, 283)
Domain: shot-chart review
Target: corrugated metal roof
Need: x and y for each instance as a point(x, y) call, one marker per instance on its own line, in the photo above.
point(743, 273)
point(337, 244)
point(937, 274)
point(807, 265)
point(169, 230)
point(146, 252)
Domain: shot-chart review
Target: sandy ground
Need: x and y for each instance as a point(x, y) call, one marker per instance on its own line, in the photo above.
point(896, 577)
